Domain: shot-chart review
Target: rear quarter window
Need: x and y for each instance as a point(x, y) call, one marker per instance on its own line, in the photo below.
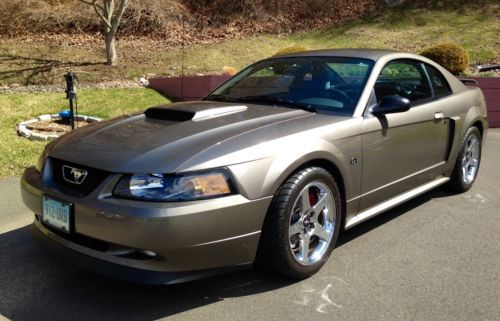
point(438, 82)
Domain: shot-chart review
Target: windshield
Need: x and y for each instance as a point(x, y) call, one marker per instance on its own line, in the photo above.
point(332, 84)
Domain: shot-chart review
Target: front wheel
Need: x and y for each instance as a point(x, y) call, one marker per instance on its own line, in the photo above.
point(468, 161)
point(302, 224)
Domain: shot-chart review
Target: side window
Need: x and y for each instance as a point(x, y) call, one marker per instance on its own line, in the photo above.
point(439, 83)
point(405, 78)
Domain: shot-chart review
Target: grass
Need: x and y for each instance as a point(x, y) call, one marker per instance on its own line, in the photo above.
point(32, 61)
point(16, 152)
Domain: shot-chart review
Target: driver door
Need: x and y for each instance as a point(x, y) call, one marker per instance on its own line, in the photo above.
point(402, 150)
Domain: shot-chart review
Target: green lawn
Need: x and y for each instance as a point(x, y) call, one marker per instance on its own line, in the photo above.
point(17, 153)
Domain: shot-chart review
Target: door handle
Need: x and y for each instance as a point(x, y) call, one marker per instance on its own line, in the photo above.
point(438, 116)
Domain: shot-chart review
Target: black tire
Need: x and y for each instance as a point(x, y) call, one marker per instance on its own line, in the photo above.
point(457, 182)
point(275, 249)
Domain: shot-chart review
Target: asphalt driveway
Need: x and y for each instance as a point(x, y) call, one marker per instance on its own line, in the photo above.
point(434, 258)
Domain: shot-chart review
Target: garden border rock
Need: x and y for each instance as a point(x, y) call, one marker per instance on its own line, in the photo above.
point(24, 131)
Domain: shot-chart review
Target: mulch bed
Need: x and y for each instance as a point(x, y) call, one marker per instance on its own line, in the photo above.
point(54, 126)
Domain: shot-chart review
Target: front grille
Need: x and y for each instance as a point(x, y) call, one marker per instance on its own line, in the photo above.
point(93, 178)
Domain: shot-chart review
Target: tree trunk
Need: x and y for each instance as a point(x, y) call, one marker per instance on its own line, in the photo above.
point(105, 9)
point(110, 49)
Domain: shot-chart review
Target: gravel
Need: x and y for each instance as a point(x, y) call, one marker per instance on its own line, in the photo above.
point(16, 88)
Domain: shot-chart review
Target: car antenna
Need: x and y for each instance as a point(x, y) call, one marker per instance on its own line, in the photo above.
point(182, 56)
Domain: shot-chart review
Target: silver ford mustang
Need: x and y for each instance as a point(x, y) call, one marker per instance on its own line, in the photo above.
point(267, 169)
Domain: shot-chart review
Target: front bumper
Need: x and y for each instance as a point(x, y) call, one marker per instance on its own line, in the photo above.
point(72, 253)
point(190, 238)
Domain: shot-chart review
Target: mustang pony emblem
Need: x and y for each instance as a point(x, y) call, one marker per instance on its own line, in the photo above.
point(74, 175)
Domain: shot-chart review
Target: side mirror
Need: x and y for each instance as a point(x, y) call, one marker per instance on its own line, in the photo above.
point(391, 104)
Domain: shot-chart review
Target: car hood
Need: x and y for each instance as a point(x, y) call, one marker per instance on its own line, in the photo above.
point(164, 137)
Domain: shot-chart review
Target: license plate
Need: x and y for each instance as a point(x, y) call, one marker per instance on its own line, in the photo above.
point(56, 214)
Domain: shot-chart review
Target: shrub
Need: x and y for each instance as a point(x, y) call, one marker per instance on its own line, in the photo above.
point(289, 50)
point(229, 71)
point(449, 55)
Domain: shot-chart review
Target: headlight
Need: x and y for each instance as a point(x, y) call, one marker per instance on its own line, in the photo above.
point(175, 188)
point(41, 161)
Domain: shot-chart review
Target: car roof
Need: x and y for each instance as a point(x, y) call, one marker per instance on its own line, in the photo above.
point(372, 54)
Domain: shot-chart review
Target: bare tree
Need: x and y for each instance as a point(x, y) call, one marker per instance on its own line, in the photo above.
point(110, 20)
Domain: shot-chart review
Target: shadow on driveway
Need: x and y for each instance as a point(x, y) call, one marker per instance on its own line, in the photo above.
point(36, 286)
point(390, 215)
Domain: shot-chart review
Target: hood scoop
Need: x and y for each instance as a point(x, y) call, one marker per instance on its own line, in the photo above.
point(182, 114)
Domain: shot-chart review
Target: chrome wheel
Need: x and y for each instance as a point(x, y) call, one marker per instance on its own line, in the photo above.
point(470, 159)
point(312, 223)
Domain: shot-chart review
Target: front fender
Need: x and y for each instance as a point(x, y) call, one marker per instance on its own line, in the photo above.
point(262, 177)
point(264, 163)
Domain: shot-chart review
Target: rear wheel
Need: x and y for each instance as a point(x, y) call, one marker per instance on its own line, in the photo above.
point(302, 225)
point(468, 161)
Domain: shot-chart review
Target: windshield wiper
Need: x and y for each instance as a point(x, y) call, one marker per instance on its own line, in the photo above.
point(215, 97)
point(277, 101)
